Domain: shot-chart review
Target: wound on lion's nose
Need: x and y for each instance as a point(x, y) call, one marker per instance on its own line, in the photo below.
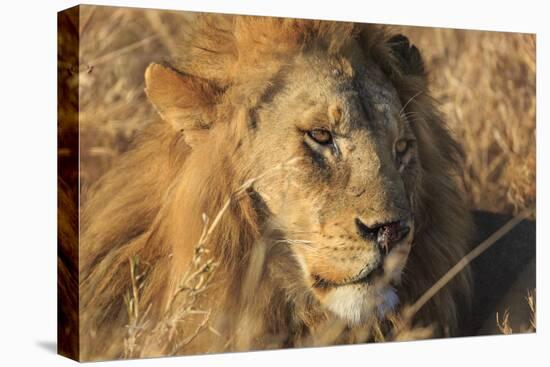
point(392, 233)
point(386, 235)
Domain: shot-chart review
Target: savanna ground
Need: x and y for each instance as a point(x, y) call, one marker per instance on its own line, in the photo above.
point(484, 82)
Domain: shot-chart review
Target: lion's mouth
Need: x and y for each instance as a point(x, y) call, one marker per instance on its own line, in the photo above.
point(367, 278)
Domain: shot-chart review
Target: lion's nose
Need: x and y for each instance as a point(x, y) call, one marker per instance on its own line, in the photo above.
point(386, 235)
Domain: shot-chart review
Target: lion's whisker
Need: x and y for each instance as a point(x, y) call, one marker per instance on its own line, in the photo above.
point(294, 242)
point(408, 115)
point(302, 232)
point(409, 101)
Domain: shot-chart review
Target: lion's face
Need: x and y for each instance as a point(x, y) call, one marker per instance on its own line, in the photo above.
point(344, 203)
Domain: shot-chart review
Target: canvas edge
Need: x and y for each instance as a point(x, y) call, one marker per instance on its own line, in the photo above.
point(68, 338)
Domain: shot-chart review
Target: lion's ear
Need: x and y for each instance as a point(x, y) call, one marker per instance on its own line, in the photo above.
point(410, 60)
point(184, 101)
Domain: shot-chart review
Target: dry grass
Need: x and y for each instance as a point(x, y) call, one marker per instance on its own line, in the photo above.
point(485, 82)
point(116, 46)
point(503, 322)
point(166, 337)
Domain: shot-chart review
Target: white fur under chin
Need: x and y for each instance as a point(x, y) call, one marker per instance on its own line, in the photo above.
point(356, 306)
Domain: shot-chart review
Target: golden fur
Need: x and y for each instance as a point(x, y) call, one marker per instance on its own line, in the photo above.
point(228, 79)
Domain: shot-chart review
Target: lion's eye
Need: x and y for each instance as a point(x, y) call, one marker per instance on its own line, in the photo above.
point(321, 136)
point(401, 146)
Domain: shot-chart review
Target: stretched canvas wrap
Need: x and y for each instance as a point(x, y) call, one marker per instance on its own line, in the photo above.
point(235, 183)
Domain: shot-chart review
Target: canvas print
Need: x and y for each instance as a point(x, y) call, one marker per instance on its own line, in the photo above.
point(230, 183)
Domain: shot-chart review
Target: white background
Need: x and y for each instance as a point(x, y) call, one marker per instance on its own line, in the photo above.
point(28, 182)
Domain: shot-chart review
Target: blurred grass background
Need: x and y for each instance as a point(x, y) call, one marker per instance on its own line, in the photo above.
point(485, 82)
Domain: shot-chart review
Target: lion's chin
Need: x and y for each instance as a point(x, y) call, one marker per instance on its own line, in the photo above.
point(372, 295)
point(356, 304)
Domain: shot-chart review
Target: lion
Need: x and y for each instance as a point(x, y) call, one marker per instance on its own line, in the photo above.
point(307, 161)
